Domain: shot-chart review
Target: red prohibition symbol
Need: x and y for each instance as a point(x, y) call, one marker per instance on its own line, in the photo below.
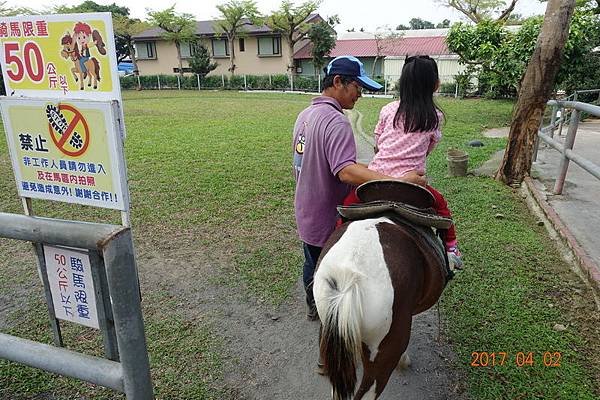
point(72, 139)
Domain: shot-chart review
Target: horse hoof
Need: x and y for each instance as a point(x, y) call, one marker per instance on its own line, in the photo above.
point(95, 87)
point(81, 88)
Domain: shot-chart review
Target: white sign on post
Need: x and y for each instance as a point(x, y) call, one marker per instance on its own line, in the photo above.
point(70, 277)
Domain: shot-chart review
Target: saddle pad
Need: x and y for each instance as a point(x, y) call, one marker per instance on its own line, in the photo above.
point(376, 208)
point(396, 191)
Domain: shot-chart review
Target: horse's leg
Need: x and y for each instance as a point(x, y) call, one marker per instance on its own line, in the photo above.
point(74, 72)
point(378, 371)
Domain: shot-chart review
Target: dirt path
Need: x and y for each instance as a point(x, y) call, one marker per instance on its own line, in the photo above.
point(273, 352)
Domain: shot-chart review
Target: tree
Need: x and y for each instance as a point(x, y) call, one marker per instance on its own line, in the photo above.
point(402, 27)
point(444, 24)
point(125, 29)
point(89, 6)
point(7, 11)
point(535, 91)
point(323, 38)
point(200, 61)
point(383, 36)
point(292, 22)
point(500, 57)
point(178, 28)
point(479, 10)
point(236, 14)
point(418, 23)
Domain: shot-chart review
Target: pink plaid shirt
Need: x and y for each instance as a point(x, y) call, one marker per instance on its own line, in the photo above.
point(400, 151)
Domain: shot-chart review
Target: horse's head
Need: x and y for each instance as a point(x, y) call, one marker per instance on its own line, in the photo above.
point(69, 47)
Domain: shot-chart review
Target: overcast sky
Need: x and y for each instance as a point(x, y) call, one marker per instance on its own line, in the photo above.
point(367, 14)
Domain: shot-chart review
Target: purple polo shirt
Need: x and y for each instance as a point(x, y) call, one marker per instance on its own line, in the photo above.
point(323, 145)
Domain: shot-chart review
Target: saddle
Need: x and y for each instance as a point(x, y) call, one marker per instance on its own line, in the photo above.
point(410, 206)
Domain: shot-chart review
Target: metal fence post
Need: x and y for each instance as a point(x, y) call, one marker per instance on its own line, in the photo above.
point(456, 90)
point(139, 82)
point(568, 145)
point(178, 82)
point(319, 82)
point(223, 80)
point(245, 83)
point(291, 82)
point(198, 75)
point(270, 81)
point(553, 120)
point(158, 76)
point(129, 326)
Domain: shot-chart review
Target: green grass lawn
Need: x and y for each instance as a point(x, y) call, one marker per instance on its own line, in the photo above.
point(211, 171)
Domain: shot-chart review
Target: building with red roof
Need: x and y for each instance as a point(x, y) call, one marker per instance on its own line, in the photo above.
point(385, 57)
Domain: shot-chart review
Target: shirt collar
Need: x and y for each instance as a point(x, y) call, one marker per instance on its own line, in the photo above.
point(327, 100)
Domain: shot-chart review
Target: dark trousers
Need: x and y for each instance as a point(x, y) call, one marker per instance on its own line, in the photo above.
point(311, 255)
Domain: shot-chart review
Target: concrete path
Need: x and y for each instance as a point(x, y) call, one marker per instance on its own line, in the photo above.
point(575, 213)
point(578, 207)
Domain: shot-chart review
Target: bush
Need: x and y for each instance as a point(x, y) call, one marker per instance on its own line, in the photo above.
point(280, 81)
point(463, 80)
point(128, 82)
point(307, 83)
point(235, 82)
point(211, 82)
point(448, 88)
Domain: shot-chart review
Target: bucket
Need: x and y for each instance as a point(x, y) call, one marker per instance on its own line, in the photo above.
point(458, 161)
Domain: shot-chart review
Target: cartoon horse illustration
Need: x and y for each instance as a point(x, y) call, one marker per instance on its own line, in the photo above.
point(375, 272)
point(89, 68)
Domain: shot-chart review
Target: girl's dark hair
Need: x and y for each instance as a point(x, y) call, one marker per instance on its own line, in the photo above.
point(417, 110)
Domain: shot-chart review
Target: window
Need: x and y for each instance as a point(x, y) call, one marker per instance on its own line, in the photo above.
point(187, 49)
point(145, 50)
point(242, 45)
point(220, 48)
point(269, 46)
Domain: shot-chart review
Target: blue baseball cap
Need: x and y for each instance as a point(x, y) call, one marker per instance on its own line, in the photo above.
point(351, 66)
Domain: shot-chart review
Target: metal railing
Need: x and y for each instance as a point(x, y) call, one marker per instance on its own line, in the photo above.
point(546, 134)
point(112, 247)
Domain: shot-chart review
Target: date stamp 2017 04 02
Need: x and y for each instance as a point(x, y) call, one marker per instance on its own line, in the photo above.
point(519, 359)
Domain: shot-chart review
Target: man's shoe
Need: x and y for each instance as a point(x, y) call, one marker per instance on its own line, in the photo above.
point(312, 314)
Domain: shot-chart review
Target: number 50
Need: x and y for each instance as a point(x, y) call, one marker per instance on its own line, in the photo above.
point(13, 60)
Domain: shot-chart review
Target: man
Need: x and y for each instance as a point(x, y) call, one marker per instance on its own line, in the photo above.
point(325, 164)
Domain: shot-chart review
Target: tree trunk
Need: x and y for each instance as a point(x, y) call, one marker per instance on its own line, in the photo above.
point(290, 66)
point(178, 47)
point(231, 54)
point(136, 71)
point(536, 88)
point(374, 65)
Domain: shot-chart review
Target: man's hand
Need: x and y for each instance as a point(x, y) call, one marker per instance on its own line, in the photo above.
point(416, 177)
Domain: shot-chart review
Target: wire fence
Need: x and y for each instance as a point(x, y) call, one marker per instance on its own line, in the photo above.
point(271, 82)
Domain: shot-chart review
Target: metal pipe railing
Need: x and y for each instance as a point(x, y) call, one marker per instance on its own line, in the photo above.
point(546, 135)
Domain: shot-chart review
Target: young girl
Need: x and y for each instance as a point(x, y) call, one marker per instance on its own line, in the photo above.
point(409, 129)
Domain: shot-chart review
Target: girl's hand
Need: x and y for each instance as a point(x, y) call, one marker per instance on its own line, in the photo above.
point(416, 177)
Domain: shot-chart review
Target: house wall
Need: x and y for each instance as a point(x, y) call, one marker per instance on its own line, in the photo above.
point(247, 62)
point(448, 67)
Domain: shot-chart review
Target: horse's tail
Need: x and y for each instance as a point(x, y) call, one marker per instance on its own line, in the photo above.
point(96, 68)
point(341, 340)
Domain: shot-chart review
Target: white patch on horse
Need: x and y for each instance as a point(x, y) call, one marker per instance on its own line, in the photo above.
point(359, 252)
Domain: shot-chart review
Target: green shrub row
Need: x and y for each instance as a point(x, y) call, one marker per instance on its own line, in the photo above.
point(236, 82)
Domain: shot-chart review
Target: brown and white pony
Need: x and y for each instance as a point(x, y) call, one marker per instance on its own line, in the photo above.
point(70, 50)
point(373, 276)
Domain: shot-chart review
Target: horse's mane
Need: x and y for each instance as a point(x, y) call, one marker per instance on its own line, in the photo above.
point(67, 39)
